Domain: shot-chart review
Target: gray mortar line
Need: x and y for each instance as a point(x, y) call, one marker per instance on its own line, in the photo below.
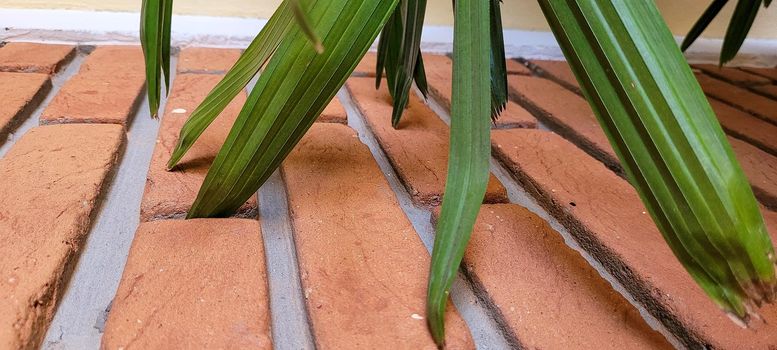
point(518, 195)
point(290, 325)
point(83, 310)
point(484, 329)
point(57, 80)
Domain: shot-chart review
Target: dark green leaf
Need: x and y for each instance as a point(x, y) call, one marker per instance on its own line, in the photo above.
point(470, 152)
point(741, 21)
point(155, 16)
point(701, 24)
point(498, 65)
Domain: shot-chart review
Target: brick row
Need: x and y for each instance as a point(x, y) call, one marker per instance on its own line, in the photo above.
point(770, 73)
point(736, 122)
point(439, 76)
point(363, 267)
point(605, 215)
point(333, 113)
point(543, 293)
point(733, 75)
point(23, 93)
point(557, 71)
point(206, 60)
point(53, 178)
point(768, 90)
point(170, 194)
point(107, 89)
point(572, 117)
point(35, 58)
point(417, 148)
point(748, 101)
point(192, 284)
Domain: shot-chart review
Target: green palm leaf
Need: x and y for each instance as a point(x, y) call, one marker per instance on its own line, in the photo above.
point(292, 91)
point(703, 22)
point(155, 18)
point(469, 154)
point(741, 21)
point(670, 144)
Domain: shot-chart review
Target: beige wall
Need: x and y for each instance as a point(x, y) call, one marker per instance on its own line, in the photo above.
point(518, 14)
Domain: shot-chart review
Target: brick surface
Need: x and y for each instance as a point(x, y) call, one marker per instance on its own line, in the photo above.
point(566, 113)
point(192, 284)
point(418, 148)
point(515, 67)
point(770, 73)
point(363, 267)
point(52, 181)
point(520, 266)
point(440, 81)
point(170, 194)
point(35, 58)
point(733, 75)
point(746, 127)
point(366, 66)
point(768, 90)
point(559, 72)
point(333, 113)
point(748, 101)
point(206, 60)
point(22, 93)
point(107, 89)
point(606, 217)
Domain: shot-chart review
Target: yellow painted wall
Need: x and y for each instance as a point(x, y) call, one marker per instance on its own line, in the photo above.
point(518, 14)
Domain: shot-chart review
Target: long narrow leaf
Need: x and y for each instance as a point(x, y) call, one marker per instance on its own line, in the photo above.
point(291, 92)
point(155, 17)
point(498, 64)
point(701, 24)
point(413, 12)
point(670, 144)
point(741, 21)
point(246, 67)
point(469, 154)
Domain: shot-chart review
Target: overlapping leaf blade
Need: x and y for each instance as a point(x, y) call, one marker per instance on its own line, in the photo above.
point(498, 64)
point(291, 92)
point(470, 152)
point(670, 144)
point(246, 67)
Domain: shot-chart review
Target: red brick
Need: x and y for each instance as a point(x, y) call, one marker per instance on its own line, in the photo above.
point(333, 113)
point(107, 89)
point(760, 169)
point(363, 267)
point(558, 71)
point(366, 66)
point(732, 75)
point(206, 60)
point(760, 106)
point(566, 113)
point(770, 73)
point(746, 127)
point(53, 178)
point(23, 93)
point(170, 194)
point(439, 76)
point(768, 90)
point(515, 67)
point(418, 148)
point(192, 284)
point(605, 215)
point(520, 265)
point(35, 58)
